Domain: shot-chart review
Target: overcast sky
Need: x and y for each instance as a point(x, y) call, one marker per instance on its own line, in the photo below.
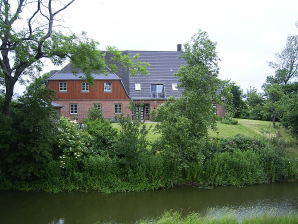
point(248, 33)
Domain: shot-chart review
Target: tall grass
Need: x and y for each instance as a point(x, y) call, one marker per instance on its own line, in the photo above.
point(177, 218)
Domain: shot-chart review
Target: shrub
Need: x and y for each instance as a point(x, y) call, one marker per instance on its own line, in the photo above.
point(131, 142)
point(234, 168)
point(70, 142)
point(240, 142)
point(229, 120)
point(102, 136)
point(27, 135)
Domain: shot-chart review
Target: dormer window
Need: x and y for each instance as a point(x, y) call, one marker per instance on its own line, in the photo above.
point(85, 87)
point(174, 86)
point(157, 91)
point(107, 87)
point(138, 86)
point(62, 87)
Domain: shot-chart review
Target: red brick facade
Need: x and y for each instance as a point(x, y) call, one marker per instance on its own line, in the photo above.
point(107, 107)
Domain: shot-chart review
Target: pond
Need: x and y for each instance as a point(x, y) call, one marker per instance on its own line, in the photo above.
point(91, 208)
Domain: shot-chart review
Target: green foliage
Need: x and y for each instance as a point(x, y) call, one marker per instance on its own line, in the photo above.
point(229, 120)
point(231, 96)
point(27, 137)
point(70, 142)
point(234, 168)
point(94, 113)
point(172, 217)
point(240, 142)
point(185, 121)
point(274, 105)
point(286, 64)
point(24, 45)
point(255, 102)
point(103, 136)
point(290, 117)
point(131, 141)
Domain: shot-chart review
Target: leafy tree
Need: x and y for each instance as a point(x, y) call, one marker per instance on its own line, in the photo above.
point(131, 142)
point(290, 117)
point(274, 105)
point(185, 121)
point(27, 137)
point(254, 102)
point(232, 95)
point(103, 135)
point(22, 49)
point(286, 64)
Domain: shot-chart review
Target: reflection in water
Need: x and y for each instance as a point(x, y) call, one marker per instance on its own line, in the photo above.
point(89, 208)
point(59, 221)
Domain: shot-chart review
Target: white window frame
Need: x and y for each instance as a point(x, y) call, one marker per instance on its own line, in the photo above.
point(107, 87)
point(62, 86)
point(115, 105)
point(138, 86)
point(174, 86)
point(71, 108)
point(85, 87)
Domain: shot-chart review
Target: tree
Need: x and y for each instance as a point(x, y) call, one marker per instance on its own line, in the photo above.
point(28, 135)
point(274, 105)
point(255, 102)
point(22, 49)
point(286, 65)
point(185, 121)
point(232, 95)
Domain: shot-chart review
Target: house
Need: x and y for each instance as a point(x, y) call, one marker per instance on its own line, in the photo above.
point(114, 92)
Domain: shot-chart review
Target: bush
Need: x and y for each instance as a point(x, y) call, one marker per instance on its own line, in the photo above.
point(234, 168)
point(240, 142)
point(229, 120)
point(70, 142)
point(102, 136)
point(27, 135)
point(131, 142)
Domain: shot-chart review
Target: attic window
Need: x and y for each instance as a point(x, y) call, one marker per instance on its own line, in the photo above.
point(107, 87)
point(85, 87)
point(62, 87)
point(138, 87)
point(174, 86)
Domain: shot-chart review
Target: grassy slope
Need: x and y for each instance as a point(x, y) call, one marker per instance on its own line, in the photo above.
point(249, 128)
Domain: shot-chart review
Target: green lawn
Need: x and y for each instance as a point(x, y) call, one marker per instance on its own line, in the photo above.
point(250, 128)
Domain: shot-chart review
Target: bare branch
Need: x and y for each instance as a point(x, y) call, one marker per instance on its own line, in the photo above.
point(63, 8)
point(34, 14)
point(17, 13)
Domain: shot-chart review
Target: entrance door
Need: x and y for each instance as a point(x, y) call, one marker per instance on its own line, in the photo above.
point(139, 112)
point(142, 111)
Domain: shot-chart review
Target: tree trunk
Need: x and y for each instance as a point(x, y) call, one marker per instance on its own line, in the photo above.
point(273, 120)
point(9, 86)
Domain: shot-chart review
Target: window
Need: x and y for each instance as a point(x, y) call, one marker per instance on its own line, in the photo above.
point(73, 108)
point(107, 87)
point(137, 86)
point(97, 106)
point(214, 108)
point(157, 91)
point(118, 108)
point(174, 86)
point(62, 86)
point(85, 87)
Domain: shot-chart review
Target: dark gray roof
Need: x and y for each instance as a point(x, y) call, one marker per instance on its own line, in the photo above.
point(69, 73)
point(163, 67)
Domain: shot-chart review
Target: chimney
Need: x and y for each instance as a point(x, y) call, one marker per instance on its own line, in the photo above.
point(179, 47)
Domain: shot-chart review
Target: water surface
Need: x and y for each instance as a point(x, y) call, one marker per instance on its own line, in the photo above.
point(91, 208)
